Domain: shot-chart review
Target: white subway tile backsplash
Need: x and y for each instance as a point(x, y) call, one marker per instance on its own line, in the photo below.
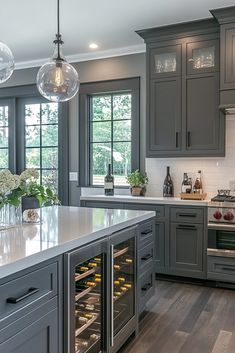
point(216, 172)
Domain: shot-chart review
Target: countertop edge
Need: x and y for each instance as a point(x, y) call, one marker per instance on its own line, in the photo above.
point(144, 200)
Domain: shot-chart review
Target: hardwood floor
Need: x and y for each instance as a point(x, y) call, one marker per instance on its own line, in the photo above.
point(187, 318)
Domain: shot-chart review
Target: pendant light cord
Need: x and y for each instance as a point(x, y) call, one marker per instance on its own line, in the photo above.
point(58, 28)
point(58, 41)
point(58, 17)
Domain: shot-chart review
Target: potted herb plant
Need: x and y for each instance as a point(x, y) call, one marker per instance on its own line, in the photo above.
point(137, 181)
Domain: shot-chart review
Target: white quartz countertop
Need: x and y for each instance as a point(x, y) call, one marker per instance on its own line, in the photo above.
point(145, 200)
point(62, 229)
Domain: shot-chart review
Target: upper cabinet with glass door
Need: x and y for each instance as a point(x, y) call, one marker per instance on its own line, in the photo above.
point(202, 57)
point(165, 61)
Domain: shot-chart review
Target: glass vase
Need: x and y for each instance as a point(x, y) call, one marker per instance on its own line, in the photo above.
point(10, 216)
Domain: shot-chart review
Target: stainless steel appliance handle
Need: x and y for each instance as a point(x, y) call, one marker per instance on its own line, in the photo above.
point(220, 226)
point(112, 294)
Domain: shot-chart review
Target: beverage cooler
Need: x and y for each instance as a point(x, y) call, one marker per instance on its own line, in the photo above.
point(100, 294)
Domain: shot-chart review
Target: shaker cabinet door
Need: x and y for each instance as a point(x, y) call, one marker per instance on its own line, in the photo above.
point(204, 122)
point(40, 337)
point(164, 124)
point(186, 250)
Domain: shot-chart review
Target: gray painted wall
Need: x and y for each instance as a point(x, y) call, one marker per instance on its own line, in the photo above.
point(90, 71)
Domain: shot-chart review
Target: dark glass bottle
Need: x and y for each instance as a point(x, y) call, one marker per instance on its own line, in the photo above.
point(184, 186)
point(109, 183)
point(168, 188)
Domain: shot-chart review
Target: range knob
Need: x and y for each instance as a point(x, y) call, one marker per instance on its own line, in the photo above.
point(217, 215)
point(228, 216)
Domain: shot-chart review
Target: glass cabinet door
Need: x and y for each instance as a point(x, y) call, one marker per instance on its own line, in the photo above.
point(86, 303)
point(202, 57)
point(165, 62)
point(123, 284)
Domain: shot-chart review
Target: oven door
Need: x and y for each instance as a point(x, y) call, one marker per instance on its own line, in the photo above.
point(221, 236)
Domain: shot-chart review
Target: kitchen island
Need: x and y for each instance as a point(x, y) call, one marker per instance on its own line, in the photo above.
point(50, 272)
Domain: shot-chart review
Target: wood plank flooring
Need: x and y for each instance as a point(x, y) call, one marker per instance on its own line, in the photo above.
point(185, 318)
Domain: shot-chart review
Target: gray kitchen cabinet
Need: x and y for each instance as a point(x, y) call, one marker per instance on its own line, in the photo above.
point(164, 123)
point(204, 121)
point(31, 310)
point(186, 249)
point(183, 117)
point(39, 337)
point(145, 261)
point(187, 242)
point(226, 19)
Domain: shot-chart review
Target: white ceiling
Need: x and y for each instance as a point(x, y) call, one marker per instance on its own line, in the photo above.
point(28, 26)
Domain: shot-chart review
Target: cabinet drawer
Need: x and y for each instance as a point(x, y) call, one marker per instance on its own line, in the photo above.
point(187, 215)
point(145, 258)
point(97, 204)
point(25, 293)
point(145, 289)
point(221, 268)
point(146, 234)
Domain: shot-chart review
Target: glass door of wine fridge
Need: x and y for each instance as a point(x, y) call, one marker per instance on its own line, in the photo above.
point(86, 291)
point(123, 287)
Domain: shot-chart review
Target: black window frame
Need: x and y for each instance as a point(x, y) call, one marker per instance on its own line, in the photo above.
point(119, 86)
point(17, 96)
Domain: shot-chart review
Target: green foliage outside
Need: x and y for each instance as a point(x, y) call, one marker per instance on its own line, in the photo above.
point(111, 120)
point(41, 130)
point(46, 136)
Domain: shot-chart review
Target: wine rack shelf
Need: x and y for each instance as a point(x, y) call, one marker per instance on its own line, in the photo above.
point(120, 252)
point(80, 276)
point(86, 325)
point(84, 292)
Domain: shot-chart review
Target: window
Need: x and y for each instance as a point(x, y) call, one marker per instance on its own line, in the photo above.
point(109, 130)
point(110, 137)
point(41, 141)
point(4, 137)
point(33, 134)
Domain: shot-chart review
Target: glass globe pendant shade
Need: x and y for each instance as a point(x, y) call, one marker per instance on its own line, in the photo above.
point(57, 80)
point(6, 63)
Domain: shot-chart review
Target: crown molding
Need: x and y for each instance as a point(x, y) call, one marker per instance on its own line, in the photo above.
point(76, 58)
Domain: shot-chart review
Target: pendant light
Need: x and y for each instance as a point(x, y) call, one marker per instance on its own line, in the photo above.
point(6, 63)
point(57, 80)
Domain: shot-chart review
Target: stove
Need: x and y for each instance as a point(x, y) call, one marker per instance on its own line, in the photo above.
point(223, 196)
point(221, 209)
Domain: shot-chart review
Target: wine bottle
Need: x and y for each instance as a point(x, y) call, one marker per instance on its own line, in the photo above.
point(198, 184)
point(184, 185)
point(116, 267)
point(168, 188)
point(109, 183)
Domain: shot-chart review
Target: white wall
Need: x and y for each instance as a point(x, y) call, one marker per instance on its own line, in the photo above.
point(216, 172)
